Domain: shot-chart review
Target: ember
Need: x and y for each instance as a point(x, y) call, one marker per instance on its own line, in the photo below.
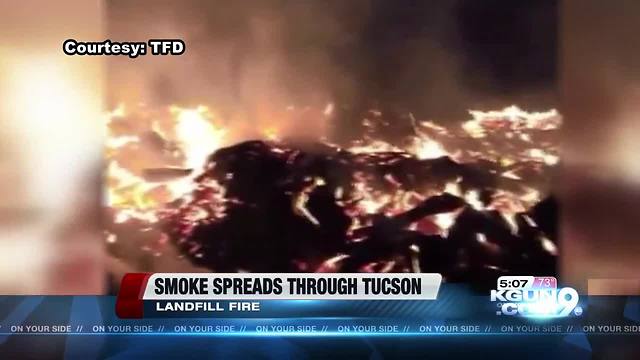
point(463, 202)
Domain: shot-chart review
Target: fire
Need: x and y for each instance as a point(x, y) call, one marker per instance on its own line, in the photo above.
point(182, 139)
point(511, 117)
point(197, 134)
point(271, 133)
point(426, 148)
point(190, 130)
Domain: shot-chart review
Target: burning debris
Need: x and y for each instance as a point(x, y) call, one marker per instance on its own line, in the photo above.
point(465, 202)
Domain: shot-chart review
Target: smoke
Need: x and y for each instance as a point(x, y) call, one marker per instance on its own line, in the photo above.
point(251, 60)
point(601, 102)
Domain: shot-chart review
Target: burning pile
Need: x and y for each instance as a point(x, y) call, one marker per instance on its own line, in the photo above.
point(466, 202)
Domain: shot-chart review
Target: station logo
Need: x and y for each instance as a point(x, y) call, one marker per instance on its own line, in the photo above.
point(529, 296)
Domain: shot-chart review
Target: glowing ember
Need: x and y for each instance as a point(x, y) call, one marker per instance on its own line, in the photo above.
point(513, 118)
point(161, 171)
point(197, 137)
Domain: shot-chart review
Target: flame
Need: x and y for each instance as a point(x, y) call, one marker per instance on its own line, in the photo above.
point(542, 155)
point(196, 137)
point(444, 221)
point(271, 133)
point(512, 117)
point(195, 133)
point(373, 146)
point(300, 201)
point(426, 148)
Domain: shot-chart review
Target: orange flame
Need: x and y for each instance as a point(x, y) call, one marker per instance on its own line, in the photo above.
point(194, 135)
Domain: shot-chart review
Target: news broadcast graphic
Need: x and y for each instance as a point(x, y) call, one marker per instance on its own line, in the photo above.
point(174, 294)
point(360, 304)
point(162, 313)
point(326, 179)
point(534, 296)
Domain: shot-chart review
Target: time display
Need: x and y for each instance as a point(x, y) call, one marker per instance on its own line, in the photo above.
point(515, 282)
point(527, 282)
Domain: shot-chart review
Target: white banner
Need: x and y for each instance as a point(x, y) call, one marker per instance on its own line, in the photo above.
point(303, 286)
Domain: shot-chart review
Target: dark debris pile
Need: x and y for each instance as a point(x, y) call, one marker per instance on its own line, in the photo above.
point(297, 208)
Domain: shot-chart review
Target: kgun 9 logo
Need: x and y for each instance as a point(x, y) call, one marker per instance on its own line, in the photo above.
point(537, 302)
